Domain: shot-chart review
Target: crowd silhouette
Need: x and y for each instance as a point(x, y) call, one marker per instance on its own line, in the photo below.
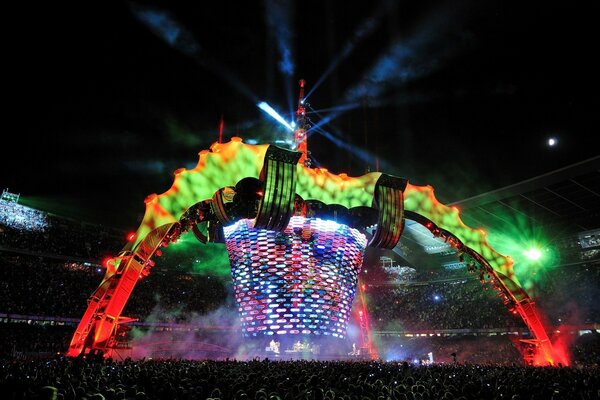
point(268, 380)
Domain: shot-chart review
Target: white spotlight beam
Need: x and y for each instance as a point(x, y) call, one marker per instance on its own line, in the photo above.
point(274, 114)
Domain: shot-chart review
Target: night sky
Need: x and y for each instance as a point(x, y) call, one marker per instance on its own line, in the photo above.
point(106, 100)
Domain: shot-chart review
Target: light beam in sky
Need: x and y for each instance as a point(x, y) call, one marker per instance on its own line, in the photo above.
point(274, 114)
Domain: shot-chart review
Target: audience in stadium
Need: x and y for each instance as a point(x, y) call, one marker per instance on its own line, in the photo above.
point(26, 340)
point(33, 285)
point(460, 304)
point(28, 282)
point(49, 266)
point(268, 380)
point(33, 231)
point(569, 295)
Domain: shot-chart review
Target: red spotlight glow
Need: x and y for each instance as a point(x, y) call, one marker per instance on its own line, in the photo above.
point(131, 236)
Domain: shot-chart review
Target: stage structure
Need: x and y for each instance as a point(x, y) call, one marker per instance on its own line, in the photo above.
point(295, 236)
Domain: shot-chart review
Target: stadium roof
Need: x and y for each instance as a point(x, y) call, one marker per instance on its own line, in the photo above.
point(566, 200)
point(560, 208)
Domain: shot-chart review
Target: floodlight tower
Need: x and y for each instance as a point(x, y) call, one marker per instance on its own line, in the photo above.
point(300, 139)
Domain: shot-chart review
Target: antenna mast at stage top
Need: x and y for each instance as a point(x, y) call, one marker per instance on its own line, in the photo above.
point(300, 139)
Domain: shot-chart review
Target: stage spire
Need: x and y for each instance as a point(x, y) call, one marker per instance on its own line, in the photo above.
point(300, 139)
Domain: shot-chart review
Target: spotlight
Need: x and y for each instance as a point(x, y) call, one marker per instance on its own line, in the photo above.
point(552, 142)
point(533, 253)
point(269, 110)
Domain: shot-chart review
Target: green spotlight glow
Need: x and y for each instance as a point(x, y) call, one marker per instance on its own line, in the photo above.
point(533, 253)
point(530, 247)
point(190, 256)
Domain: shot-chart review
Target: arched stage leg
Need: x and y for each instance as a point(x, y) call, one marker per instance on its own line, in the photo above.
point(98, 327)
point(515, 297)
